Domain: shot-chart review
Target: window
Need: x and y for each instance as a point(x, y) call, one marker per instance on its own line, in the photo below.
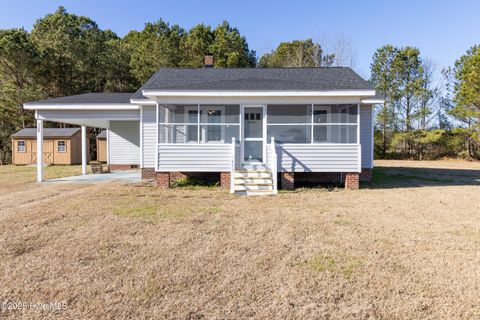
point(312, 123)
point(61, 147)
point(21, 146)
point(199, 123)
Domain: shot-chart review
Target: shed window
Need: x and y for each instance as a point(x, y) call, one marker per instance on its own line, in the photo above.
point(61, 146)
point(21, 146)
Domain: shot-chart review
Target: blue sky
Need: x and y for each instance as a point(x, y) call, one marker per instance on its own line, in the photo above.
point(442, 29)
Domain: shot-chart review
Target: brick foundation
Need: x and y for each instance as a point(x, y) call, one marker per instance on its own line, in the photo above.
point(225, 179)
point(306, 178)
point(287, 180)
point(164, 179)
point(352, 180)
point(366, 174)
point(148, 175)
point(121, 167)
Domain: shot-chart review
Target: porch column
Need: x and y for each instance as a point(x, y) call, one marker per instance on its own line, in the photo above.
point(84, 150)
point(40, 176)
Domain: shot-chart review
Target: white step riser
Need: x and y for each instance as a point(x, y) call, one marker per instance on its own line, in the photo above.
point(253, 180)
point(251, 175)
point(254, 168)
point(253, 193)
point(243, 188)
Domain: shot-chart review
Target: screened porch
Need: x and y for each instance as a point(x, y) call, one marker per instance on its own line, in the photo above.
point(306, 137)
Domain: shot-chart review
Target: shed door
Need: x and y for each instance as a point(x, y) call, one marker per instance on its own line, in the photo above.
point(48, 146)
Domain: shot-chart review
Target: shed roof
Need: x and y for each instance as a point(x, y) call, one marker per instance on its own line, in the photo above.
point(102, 135)
point(47, 133)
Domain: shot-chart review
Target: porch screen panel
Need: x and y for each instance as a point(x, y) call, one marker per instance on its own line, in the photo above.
point(289, 123)
point(178, 124)
point(302, 124)
point(198, 123)
point(335, 123)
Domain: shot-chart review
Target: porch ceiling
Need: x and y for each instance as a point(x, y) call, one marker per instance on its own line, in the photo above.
point(89, 117)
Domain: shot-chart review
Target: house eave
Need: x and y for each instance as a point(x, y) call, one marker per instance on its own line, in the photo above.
point(154, 94)
point(372, 101)
point(99, 106)
point(142, 101)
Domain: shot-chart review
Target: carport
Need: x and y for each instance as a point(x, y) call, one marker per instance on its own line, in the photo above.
point(86, 110)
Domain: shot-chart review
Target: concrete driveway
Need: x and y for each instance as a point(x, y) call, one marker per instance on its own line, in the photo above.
point(130, 176)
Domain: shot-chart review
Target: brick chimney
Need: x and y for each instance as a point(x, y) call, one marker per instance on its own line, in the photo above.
point(208, 61)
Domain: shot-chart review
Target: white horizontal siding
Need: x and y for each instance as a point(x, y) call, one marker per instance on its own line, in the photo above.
point(149, 139)
point(316, 158)
point(124, 142)
point(195, 157)
point(366, 135)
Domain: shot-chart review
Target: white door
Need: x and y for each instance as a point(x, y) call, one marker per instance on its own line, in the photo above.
point(253, 134)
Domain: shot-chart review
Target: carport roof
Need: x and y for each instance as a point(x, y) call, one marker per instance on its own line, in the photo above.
point(87, 98)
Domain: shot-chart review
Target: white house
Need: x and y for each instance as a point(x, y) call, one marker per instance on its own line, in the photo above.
point(252, 129)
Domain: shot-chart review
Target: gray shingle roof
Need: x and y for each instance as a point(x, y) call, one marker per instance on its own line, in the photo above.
point(265, 79)
point(88, 98)
point(47, 133)
point(102, 135)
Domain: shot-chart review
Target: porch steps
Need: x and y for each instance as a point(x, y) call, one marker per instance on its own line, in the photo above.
point(253, 180)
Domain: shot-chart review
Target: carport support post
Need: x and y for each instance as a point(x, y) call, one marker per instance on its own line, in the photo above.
point(40, 150)
point(84, 150)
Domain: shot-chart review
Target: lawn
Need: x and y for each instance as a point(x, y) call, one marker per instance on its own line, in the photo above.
point(404, 246)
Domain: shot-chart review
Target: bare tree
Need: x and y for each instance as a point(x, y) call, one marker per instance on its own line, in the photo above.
point(341, 47)
point(429, 99)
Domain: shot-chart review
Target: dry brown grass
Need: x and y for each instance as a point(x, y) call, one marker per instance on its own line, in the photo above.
point(400, 248)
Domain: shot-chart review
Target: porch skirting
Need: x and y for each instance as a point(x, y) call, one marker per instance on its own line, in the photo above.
point(165, 179)
point(287, 180)
point(351, 180)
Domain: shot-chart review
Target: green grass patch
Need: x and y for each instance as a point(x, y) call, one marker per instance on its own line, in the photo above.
point(383, 176)
point(342, 265)
point(149, 212)
point(342, 223)
point(193, 183)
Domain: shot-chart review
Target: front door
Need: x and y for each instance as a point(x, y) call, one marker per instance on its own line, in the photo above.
point(253, 148)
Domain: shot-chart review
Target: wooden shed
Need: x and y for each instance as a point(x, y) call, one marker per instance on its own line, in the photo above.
point(102, 146)
point(60, 146)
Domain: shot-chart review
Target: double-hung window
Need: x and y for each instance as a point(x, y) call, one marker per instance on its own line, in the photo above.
point(61, 146)
point(21, 146)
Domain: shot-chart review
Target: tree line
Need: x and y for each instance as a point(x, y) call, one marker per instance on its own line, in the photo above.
point(422, 117)
point(66, 54)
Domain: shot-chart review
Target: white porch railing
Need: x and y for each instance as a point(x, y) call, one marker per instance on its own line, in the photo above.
point(359, 158)
point(232, 170)
point(273, 166)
